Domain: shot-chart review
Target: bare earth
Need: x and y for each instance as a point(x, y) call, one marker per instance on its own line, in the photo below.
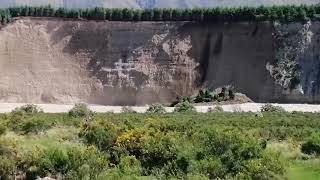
point(247, 107)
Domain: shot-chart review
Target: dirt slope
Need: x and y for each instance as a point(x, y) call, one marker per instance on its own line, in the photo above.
point(45, 60)
point(33, 67)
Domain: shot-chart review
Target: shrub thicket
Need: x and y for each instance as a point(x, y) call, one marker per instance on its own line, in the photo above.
point(162, 146)
point(156, 108)
point(312, 145)
point(3, 129)
point(102, 134)
point(281, 13)
point(204, 96)
point(184, 107)
point(80, 110)
point(27, 109)
point(71, 163)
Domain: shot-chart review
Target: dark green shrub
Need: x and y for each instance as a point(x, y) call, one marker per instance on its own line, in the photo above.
point(182, 99)
point(153, 149)
point(272, 108)
point(72, 163)
point(213, 167)
point(27, 109)
point(102, 134)
point(3, 129)
point(156, 108)
point(204, 96)
point(231, 94)
point(129, 165)
point(7, 168)
point(184, 107)
point(240, 155)
point(8, 159)
point(80, 110)
point(312, 145)
point(34, 125)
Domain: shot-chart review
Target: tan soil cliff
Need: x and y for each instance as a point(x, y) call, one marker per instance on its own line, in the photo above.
point(127, 63)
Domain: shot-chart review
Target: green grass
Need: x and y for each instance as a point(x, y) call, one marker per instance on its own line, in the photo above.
point(62, 137)
point(304, 170)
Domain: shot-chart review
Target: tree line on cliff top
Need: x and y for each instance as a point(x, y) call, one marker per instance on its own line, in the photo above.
point(280, 13)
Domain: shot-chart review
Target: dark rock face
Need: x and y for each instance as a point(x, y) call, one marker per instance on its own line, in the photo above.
point(137, 63)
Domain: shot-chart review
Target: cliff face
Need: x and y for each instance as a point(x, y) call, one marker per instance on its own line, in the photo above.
point(129, 63)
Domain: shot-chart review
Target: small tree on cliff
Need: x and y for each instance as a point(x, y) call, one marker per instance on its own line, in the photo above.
point(127, 14)
point(147, 15)
point(157, 14)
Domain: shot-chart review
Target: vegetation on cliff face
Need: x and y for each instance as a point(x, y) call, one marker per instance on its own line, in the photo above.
point(281, 13)
point(286, 69)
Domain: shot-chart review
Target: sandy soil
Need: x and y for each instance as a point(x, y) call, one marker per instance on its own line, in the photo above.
point(247, 107)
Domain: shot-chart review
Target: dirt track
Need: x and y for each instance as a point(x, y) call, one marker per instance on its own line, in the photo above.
point(248, 107)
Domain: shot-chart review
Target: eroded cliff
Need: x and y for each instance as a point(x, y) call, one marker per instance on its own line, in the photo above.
point(51, 60)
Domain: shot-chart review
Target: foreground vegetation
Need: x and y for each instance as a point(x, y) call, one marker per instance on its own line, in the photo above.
point(158, 145)
point(280, 13)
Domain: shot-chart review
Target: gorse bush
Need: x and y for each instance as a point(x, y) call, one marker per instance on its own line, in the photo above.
point(229, 153)
point(3, 129)
point(27, 109)
point(72, 163)
point(34, 125)
point(312, 145)
point(181, 99)
point(184, 107)
point(8, 159)
point(204, 96)
point(280, 13)
point(101, 133)
point(80, 110)
point(156, 108)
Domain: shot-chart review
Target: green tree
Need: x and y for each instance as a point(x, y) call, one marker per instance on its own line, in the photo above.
point(127, 14)
point(167, 14)
point(147, 15)
point(117, 15)
point(176, 14)
point(158, 14)
point(137, 15)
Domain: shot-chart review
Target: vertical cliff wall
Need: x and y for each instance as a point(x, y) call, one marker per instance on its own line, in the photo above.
point(129, 63)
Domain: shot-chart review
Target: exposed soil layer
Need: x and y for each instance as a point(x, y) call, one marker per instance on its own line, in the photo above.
point(48, 60)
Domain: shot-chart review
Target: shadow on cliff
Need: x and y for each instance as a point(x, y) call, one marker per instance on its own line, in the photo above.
point(233, 54)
